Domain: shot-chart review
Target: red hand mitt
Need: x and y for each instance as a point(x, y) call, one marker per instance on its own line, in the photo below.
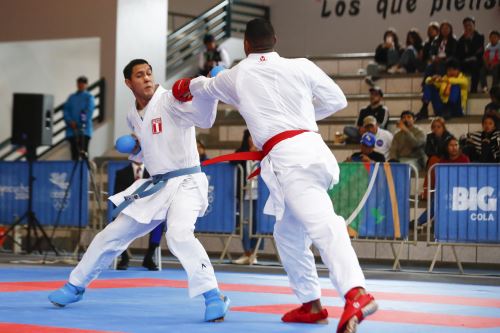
point(180, 90)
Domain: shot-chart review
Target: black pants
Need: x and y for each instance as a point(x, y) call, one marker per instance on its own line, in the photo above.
point(473, 69)
point(78, 144)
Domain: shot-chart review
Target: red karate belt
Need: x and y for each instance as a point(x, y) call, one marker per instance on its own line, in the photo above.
point(255, 155)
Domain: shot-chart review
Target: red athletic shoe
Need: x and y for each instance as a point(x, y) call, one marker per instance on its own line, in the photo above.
point(304, 315)
point(357, 307)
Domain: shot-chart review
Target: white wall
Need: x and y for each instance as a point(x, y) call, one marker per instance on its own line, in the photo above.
point(46, 67)
point(141, 32)
point(302, 30)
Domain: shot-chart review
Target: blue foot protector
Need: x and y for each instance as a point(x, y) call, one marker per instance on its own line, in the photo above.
point(66, 295)
point(216, 304)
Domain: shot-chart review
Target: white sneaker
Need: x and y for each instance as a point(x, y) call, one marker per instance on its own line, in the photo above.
point(392, 70)
point(245, 260)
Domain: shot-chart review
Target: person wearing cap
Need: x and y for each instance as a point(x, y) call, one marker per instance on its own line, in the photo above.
point(77, 112)
point(367, 151)
point(213, 55)
point(383, 138)
point(470, 49)
point(408, 143)
point(375, 109)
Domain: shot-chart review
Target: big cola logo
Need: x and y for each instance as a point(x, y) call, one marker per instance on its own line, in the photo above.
point(480, 202)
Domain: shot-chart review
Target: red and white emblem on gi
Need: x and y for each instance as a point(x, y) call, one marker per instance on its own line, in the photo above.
point(262, 58)
point(156, 126)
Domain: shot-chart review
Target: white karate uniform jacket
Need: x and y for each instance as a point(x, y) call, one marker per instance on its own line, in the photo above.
point(255, 87)
point(168, 142)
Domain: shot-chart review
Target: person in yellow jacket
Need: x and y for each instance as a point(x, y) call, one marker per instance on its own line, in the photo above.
point(448, 93)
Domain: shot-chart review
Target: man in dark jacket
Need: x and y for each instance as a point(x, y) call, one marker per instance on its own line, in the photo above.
point(470, 50)
point(124, 178)
point(376, 108)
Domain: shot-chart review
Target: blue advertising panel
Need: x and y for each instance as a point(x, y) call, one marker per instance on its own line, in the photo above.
point(265, 223)
point(220, 216)
point(467, 203)
point(51, 179)
point(13, 191)
point(113, 167)
point(386, 212)
point(374, 198)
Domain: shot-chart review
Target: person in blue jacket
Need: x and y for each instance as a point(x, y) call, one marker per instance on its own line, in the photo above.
point(78, 111)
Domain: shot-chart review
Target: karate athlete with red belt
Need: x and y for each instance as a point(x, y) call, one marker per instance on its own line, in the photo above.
point(281, 100)
point(177, 192)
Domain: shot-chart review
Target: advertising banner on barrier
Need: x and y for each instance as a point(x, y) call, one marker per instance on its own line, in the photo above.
point(373, 198)
point(467, 203)
point(13, 191)
point(113, 167)
point(265, 223)
point(52, 178)
point(220, 216)
point(50, 181)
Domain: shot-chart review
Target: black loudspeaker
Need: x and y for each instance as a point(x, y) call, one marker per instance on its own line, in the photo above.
point(32, 119)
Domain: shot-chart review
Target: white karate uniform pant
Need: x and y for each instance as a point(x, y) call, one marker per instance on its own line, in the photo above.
point(309, 218)
point(181, 218)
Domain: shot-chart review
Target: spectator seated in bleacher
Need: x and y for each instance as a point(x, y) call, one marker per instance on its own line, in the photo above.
point(435, 145)
point(411, 57)
point(448, 94)
point(491, 64)
point(367, 151)
point(484, 146)
point(213, 55)
point(383, 137)
point(452, 155)
point(408, 143)
point(388, 52)
point(443, 48)
point(432, 33)
point(470, 48)
point(494, 106)
point(375, 109)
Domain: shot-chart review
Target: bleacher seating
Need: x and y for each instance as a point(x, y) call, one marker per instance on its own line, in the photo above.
point(401, 92)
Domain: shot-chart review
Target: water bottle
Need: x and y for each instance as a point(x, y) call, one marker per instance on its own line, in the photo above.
point(83, 119)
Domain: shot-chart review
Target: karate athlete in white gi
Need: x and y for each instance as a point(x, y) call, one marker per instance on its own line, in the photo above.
point(281, 100)
point(164, 128)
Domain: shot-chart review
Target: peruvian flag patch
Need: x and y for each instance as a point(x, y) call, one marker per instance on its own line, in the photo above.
point(156, 125)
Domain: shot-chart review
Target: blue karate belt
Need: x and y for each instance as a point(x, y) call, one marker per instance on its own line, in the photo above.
point(158, 182)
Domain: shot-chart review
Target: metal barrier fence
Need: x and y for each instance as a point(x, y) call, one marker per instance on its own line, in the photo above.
point(465, 199)
point(220, 218)
point(374, 199)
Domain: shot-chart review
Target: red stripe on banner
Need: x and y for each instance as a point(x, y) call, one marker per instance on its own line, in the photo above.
point(249, 288)
point(389, 316)
point(25, 328)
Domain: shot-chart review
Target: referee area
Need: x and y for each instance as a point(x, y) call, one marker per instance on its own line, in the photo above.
point(439, 276)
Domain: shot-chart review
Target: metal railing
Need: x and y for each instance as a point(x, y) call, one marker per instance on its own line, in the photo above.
point(226, 19)
point(12, 152)
point(433, 220)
